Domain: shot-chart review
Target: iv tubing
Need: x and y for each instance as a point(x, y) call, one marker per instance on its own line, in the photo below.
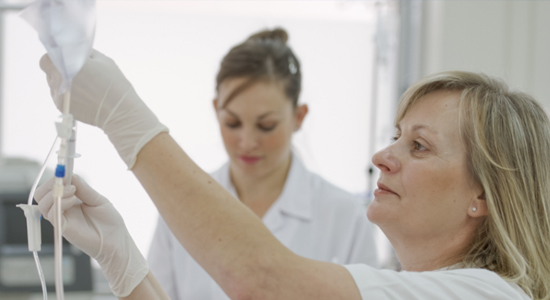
point(66, 103)
point(58, 250)
point(58, 237)
point(31, 197)
point(58, 195)
point(41, 274)
point(33, 189)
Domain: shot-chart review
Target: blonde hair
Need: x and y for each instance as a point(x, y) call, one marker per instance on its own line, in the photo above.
point(507, 139)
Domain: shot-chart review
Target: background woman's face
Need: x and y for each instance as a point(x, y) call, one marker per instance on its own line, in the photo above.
point(424, 189)
point(256, 125)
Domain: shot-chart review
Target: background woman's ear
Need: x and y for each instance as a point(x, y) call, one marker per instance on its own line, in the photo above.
point(215, 103)
point(301, 112)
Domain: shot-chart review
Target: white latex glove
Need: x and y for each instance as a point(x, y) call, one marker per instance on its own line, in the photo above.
point(91, 223)
point(103, 97)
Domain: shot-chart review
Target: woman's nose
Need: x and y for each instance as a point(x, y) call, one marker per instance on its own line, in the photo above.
point(386, 160)
point(248, 140)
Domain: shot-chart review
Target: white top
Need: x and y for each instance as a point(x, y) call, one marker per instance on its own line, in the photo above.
point(311, 217)
point(471, 284)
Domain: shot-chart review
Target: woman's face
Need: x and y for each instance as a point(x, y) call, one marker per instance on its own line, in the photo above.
point(257, 125)
point(425, 189)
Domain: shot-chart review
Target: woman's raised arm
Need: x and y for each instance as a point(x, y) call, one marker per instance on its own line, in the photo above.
point(227, 239)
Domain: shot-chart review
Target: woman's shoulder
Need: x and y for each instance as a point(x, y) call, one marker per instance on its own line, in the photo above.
point(475, 284)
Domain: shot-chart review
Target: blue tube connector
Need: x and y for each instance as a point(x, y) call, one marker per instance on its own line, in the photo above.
point(60, 171)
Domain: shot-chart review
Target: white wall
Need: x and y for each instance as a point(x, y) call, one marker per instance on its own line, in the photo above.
point(509, 39)
point(170, 51)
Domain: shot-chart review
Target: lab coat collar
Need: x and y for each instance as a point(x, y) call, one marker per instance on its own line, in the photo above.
point(295, 199)
point(224, 179)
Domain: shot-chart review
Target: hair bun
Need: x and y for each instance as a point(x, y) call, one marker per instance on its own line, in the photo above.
point(275, 34)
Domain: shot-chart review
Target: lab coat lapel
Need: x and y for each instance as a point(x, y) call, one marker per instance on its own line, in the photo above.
point(224, 179)
point(295, 199)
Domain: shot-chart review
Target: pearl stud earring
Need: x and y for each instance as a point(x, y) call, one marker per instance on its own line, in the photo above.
point(474, 209)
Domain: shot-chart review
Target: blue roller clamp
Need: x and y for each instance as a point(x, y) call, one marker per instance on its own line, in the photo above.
point(60, 171)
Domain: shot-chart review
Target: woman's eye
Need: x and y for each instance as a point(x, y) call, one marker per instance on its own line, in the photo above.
point(233, 125)
point(418, 146)
point(266, 127)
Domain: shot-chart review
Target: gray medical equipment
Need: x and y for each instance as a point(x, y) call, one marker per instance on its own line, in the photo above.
point(17, 267)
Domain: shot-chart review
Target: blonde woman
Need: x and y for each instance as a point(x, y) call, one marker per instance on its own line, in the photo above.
point(463, 196)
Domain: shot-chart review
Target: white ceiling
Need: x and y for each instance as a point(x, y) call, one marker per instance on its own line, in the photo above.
point(347, 11)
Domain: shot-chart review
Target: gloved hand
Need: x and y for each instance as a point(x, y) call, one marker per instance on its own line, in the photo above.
point(91, 223)
point(103, 97)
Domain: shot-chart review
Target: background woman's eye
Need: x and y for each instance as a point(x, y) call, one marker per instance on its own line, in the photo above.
point(267, 127)
point(233, 124)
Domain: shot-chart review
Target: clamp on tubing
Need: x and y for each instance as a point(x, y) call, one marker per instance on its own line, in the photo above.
point(60, 171)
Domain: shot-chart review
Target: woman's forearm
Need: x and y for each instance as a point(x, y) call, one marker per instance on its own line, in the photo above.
point(149, 289)
point(226, 238)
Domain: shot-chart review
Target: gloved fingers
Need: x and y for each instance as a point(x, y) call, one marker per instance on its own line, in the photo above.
point(87, 194)
point(53, 219)
point(47, 187)
point(97, 55)
point(66, 203)
point(46, 203)
point(97, 60)
point(46, 63)
point(43, 189)
point(69, 198)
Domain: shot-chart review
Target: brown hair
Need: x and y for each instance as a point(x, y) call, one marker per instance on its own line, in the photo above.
point(263, 56)
point(507, 139)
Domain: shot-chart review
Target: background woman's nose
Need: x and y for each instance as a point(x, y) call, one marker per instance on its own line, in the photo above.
point(248, 140)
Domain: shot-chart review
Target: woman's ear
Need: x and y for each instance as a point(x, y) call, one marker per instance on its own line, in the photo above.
point(215, 103)
point(478, 207)
point(301, 112)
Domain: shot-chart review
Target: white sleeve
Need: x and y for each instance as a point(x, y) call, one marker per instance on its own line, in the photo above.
point(160, 259)
point(471, 284)
point(363, 249)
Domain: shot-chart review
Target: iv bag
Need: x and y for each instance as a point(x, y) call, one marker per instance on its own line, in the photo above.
point(66, 28)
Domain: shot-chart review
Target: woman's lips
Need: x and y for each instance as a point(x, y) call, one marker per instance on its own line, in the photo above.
point(249, 160)
point(383, 190)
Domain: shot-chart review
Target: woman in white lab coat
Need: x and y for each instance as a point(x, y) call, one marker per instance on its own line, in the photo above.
point(463, 196)
point(257, 108)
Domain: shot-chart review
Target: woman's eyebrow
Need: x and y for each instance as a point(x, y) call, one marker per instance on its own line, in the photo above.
point(266, 114)
point(419, 127)
point(259, 118)
point(425, 127)
point(230, 112)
